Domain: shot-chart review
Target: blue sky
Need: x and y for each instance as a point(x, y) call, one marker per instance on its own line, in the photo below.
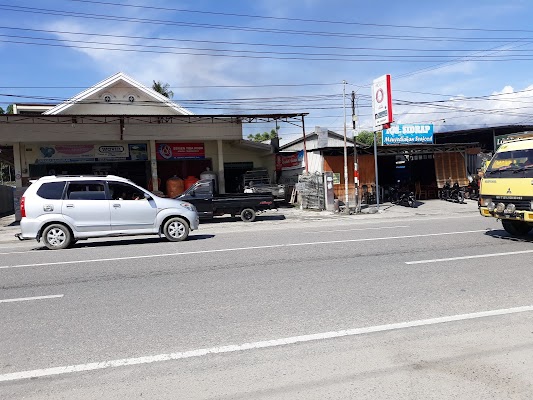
point(457, 64)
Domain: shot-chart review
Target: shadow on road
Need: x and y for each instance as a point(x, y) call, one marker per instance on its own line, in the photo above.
point(219, 220)
point(503, 235)
point(125, 242)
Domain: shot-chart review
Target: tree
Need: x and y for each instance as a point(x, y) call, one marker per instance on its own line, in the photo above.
point(163, 88)
point(9, 110)
point(367, 137)
point(261, 137)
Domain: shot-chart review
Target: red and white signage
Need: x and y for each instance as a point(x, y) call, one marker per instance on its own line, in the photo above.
point(176, 151)
point(290, 161)
point(382, 101)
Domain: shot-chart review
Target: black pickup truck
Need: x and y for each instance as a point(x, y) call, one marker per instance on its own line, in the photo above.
point(209, 204)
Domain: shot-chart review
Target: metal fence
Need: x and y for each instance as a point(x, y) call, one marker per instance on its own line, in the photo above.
point(310, 189)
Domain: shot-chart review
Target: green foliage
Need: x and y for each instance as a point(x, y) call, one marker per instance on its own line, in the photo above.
point(261, 137)
point(9, 110)
point(367, 137)
point(163, 88)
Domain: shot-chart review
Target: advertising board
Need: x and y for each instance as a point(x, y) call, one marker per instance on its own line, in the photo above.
point(408, 134)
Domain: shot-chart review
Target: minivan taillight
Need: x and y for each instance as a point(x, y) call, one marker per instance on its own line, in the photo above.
point(22, 207)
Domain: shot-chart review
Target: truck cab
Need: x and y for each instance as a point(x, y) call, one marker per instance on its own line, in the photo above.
point(506, 191)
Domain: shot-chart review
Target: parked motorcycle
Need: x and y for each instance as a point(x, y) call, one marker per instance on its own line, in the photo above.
point(472, 190)
point(402, 197)
point(457, 193)
point(444, 193)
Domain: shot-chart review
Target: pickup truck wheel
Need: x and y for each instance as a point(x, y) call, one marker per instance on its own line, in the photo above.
point(248, 215)
point(176, 229)
point(516, 228)
point(56, 237)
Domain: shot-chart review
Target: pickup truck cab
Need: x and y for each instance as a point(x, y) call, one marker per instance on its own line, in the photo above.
point(209, 204)
point(506, 189)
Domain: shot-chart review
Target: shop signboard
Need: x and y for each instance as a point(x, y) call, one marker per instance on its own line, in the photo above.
point(111, 152)
point(408, 134)
point(63, 153)
point(71, 153)
point(291, 161)
point(176, 151)
point(382, 101)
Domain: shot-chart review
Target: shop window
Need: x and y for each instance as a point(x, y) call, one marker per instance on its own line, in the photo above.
point(51, 190)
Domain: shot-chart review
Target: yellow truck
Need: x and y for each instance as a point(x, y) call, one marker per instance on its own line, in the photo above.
point(506, 189)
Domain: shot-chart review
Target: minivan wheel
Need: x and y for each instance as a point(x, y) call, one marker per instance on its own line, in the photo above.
point(57, 236)
point(176, 229)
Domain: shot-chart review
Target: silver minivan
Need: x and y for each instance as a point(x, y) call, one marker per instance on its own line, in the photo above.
point(63, 209)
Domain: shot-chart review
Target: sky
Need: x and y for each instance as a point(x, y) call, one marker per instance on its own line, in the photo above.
point(454, 64)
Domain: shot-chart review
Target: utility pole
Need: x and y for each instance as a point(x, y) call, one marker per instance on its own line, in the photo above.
point(355, 164)
point(346, 198)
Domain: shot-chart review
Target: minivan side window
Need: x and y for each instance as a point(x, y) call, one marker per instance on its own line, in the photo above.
point(86, 191)
point(51, 190)
point(123, 191)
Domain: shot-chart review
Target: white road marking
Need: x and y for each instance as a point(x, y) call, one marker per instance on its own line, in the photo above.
point(53, 296)
point(273, 246)
point(435, 260)
point(358, 229)
point(16, 252)
point(14, 376)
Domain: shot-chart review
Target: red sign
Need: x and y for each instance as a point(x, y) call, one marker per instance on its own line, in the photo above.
point(289, 161)
point(176, 151)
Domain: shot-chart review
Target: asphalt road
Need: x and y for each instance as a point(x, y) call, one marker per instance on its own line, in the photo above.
point(407, 308)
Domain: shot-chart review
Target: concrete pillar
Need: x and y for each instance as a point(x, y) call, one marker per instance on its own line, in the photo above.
point(153, 164)
point(18, 164)
point(221, 182)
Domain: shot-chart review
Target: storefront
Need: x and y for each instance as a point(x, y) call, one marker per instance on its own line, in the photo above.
point(129, 160)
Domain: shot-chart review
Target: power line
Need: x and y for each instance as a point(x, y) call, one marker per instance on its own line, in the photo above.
point(300, 19)
point(43, 11)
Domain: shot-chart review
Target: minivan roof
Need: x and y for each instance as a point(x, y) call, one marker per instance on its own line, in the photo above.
point(81, 177)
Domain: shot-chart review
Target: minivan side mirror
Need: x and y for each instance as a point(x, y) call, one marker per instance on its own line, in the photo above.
point(147, 196)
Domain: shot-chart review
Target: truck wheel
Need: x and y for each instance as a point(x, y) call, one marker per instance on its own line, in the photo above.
point(176, 229)
point(516, 228)
point(248, 215)
point(56, 237)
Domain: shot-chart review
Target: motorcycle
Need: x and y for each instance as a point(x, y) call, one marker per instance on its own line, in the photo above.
point(457, 193)
point(472, 190)
point(444, 193)
point(402, 197)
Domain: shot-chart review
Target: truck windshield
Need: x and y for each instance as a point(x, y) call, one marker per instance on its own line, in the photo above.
point(510, 163)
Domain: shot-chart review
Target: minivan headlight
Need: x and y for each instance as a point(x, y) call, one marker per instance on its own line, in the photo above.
point(188, 206)
point(491, 206)
point(500, 207)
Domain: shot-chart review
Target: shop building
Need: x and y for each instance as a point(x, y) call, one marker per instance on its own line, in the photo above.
point(121, 127)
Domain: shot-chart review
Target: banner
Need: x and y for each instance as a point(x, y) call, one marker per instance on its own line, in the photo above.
point(284, 162)
point(176, 151)
point(382, 101)
point(408, 134)
point(70, 153)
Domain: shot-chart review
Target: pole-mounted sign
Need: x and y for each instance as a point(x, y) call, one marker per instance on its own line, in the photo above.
point(382, 101)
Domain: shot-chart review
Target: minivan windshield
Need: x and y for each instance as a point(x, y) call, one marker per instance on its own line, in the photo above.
point(512, 164)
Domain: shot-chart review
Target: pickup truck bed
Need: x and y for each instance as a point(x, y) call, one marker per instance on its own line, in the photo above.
point(209, 205)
